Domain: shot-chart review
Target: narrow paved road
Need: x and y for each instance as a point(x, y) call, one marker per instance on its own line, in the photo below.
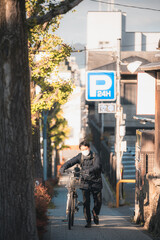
point(113, 225)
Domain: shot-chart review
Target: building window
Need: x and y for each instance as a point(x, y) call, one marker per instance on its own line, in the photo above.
point(129, 94)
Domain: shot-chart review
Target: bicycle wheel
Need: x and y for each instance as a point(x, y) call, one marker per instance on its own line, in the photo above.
point(69, 215)
point(72, 209)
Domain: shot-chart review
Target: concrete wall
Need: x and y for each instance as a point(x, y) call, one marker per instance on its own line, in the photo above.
point(128, 41)
point(103, 27)
point(140, 41)
point(72, 112)
point(151, 41)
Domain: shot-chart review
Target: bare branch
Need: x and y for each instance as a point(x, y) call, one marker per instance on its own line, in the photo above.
point(60, 9)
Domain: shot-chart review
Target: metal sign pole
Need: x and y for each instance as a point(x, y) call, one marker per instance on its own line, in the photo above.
point(118, 117)
point(45, 115)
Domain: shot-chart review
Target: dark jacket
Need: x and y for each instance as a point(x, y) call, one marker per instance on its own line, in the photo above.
point(91, 170)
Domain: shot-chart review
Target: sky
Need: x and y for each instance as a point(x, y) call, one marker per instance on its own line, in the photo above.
point(73, 26)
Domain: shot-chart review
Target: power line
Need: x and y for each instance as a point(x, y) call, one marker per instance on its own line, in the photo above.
point(129, 6)
point(111, 47)
point(102, 48)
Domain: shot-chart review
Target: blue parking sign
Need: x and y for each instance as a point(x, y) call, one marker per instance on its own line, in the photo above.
point(100, 86)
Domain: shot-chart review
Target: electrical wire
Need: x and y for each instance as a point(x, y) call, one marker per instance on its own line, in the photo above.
point(129, 6)
point(122, 46)
point(103, 48)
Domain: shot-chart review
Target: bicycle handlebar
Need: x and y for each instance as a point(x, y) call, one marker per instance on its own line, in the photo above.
point(71, 171)
point(81, 172)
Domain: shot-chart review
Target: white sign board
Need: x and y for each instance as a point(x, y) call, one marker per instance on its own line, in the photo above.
point(122, 130)
point(106, 108)
point(100, 86)
point(123, 146)
point(145, 94)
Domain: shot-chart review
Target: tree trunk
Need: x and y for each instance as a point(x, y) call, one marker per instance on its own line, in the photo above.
point(17, 210)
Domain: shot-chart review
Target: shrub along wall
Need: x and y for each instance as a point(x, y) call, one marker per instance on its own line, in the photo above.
point(42, 200)
point(43, 196)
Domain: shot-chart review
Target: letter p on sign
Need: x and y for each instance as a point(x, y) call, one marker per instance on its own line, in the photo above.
point(100, 86)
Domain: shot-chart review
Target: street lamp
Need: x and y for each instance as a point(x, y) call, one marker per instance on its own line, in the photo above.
point(117, 115)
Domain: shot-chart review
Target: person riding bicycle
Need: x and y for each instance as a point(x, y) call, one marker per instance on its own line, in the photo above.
point(91, 179)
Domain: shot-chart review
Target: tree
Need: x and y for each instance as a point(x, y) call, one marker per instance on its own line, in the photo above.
point(58, 131)
point(49, 101)
point(17, 208)
point(46, 51)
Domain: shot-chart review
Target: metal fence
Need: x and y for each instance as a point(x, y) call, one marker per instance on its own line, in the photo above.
point(108, 164)
point(96, 135)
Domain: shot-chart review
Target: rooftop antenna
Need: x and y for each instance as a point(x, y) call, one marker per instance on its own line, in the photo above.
point(111, 6)
point(100, 6)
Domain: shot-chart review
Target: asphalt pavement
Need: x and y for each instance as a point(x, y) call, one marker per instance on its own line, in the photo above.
point(114, 224)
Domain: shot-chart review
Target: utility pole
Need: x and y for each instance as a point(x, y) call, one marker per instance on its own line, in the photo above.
point(45, 115)
point(102, 125)
point(118, 116)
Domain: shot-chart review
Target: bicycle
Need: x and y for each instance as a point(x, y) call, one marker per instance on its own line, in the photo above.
point(73, 204)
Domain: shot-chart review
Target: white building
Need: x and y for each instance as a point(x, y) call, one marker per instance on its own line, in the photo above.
point(72, 113)
point(72, 108)
point(104, 28)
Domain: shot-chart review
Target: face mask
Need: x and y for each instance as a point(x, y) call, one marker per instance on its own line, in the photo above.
point(85, 152)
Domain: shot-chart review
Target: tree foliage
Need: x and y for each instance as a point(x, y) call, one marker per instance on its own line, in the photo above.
point(17, 209)
point(46, 51)
point(43, 11)
point(59, 129)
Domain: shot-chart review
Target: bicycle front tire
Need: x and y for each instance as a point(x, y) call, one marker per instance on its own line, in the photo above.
point(72, 209)
point(69, 216)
